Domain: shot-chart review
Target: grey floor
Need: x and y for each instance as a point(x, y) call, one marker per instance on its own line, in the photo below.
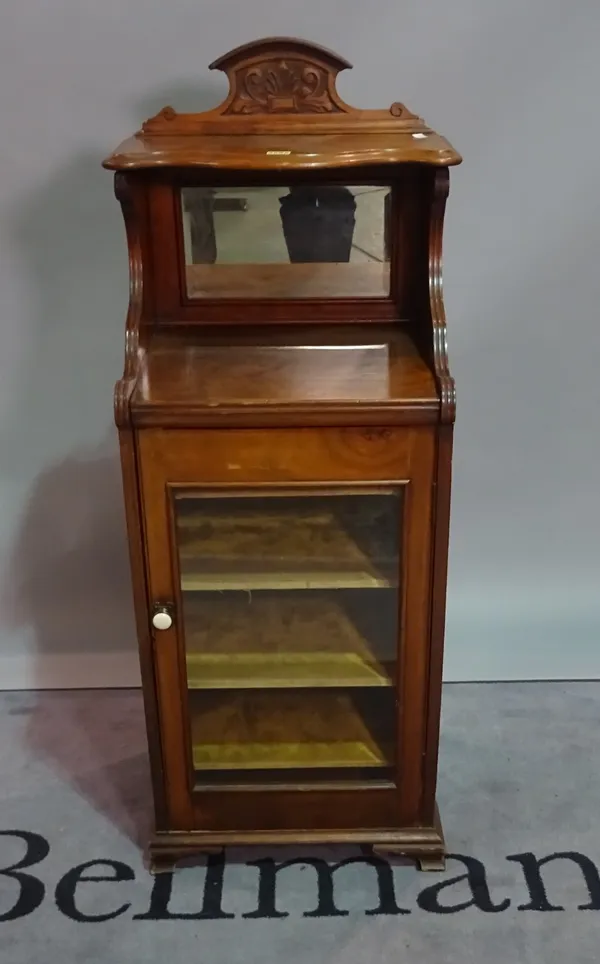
point(519, 782)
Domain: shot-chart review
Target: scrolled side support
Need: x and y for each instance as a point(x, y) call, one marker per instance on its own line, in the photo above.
point(441, 187)
point(130, 202)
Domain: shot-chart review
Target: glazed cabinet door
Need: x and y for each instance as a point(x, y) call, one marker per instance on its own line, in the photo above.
point(289, 571)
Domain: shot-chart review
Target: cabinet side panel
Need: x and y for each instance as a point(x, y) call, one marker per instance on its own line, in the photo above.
point(443, 481)
point(140, 600)
point(416, 622)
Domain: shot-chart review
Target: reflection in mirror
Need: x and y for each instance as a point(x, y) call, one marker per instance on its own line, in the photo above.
point(319, 241)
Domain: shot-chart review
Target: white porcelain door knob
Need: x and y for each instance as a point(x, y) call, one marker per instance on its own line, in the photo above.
point(162, 619)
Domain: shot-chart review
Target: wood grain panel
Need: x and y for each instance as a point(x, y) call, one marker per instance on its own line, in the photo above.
point(325, 375)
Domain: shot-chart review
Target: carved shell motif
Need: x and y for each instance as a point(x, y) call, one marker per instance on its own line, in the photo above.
point(287, 86)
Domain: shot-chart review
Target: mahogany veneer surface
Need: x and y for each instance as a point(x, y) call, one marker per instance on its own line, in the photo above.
point(377, 365)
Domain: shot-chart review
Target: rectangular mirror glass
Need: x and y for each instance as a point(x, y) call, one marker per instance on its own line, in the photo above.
point(322, 241)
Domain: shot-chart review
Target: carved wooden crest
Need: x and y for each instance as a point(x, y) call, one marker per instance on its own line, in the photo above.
point(284, 86)
point(275, 77)
point(282, 76)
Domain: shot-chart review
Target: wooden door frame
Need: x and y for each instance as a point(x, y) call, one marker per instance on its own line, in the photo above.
point(167, 463)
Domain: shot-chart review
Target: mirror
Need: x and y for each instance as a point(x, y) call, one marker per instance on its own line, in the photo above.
point(317, 241)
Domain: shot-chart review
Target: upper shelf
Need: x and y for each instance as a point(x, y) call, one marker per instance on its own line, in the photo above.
point(323, 374)
point(282, 112)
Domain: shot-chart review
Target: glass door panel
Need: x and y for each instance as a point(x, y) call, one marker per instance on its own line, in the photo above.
point(290, 624)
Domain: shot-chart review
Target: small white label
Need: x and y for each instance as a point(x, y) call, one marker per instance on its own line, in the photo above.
point(419, 137)
point(279, 152)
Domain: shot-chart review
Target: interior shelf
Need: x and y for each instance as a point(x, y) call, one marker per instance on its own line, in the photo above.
point(287, 729)
point(236, 641)
point(285, 543)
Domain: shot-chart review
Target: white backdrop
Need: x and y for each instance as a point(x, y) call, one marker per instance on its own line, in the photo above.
point(514, 86)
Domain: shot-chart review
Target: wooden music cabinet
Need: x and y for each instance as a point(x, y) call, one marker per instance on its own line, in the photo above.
point(285, 421)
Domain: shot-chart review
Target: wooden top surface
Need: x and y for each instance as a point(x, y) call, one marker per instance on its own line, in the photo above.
point(321, 375)
point(281, 151)
point(282, 112)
